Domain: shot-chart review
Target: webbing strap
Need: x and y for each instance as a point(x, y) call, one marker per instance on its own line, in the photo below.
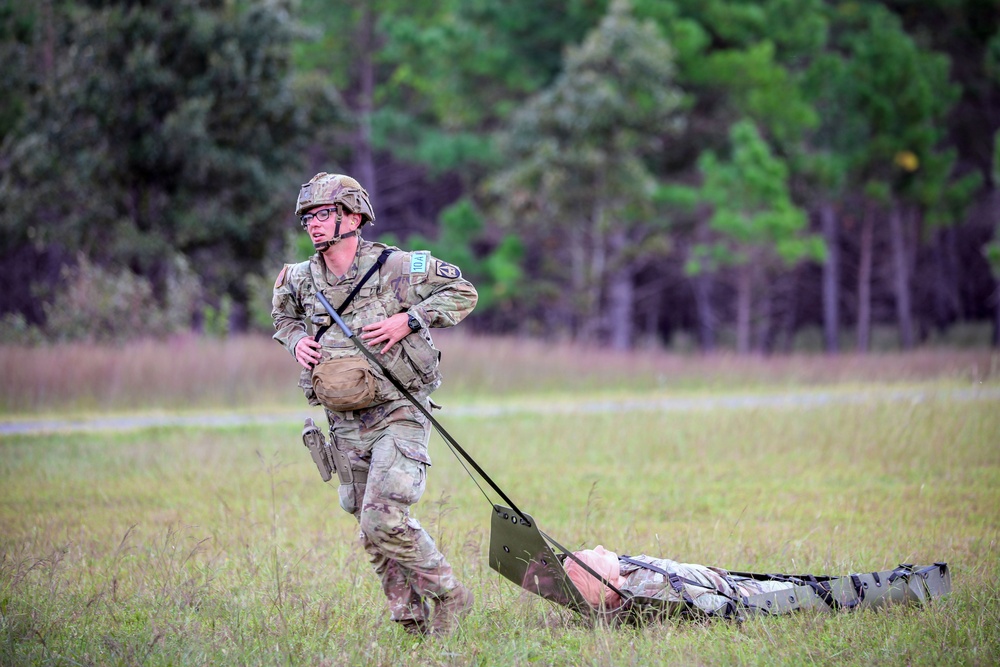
point(457, 448)
point(676, 581)
point(822, 589)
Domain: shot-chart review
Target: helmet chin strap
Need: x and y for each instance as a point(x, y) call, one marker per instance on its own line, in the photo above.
point(322, 246)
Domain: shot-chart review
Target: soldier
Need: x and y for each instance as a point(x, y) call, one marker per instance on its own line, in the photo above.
point(710, 589)
point(379, 439)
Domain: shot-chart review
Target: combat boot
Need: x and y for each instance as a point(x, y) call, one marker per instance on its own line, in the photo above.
point(417, 626)
point(414, 627)
point(451, 609)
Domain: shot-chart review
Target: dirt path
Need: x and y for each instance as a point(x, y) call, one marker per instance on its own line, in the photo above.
point(797, 399)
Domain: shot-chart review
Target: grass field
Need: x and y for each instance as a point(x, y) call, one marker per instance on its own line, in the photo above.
point(197, 546)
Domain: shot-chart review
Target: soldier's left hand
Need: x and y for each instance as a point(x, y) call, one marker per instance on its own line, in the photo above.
point(389, 331)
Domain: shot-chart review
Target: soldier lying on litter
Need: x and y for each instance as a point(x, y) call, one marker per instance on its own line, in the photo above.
point(655, 587)
point(711, 589)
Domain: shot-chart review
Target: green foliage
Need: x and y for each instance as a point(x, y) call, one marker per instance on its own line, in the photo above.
point(576, 175)
point(216, 319)
point(760, 88)
point(744, 58)
point(752, 210)
point(468, 64)
point(139, 132)
point(17, 25)
point(100, 305)
point(165, 129)
point(15, 330)
point(497, 275)
point(903, 93)
point(440, 151)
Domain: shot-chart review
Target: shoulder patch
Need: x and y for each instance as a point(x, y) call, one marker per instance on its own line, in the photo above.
point(418, 262)
point(446, 270)
point(280, 281)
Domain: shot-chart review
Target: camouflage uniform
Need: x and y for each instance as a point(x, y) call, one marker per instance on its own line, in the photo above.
point(387, 442)
point(709, 588)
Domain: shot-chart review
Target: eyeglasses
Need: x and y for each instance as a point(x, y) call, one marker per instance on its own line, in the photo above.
point(322, 215)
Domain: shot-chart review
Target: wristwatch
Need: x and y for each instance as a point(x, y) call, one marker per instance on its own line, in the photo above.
point(414, 323)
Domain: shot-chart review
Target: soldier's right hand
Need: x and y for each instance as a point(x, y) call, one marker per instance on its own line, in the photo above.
point(307, 351)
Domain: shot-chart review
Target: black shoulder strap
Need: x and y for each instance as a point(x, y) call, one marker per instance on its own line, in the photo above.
point(357, 288)
point(361, 283)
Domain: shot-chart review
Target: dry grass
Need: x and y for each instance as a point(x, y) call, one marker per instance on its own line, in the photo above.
point(253, 372)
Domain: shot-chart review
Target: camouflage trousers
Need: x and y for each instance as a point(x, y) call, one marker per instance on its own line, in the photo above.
point(392, 449)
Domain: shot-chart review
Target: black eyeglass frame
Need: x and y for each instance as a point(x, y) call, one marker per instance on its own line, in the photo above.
point(322, 215)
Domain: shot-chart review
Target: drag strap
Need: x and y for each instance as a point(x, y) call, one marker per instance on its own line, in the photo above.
point(457, 448)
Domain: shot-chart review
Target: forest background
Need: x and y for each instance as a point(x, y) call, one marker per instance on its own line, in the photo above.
point(765, 176)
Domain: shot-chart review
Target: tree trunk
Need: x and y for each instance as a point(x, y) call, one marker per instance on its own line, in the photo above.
point(578, 282)
point(590, 308)
point(621, 296)
point(364, 154)
point(996, 316)
point(702, 284)
point(865, 280)
point(789, 311)
point(744, 295)
point(901, 278)
point(953, 272)
point(765, 319)
point(831, 279)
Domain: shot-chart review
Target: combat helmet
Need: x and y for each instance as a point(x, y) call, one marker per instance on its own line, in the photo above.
point(324, 188)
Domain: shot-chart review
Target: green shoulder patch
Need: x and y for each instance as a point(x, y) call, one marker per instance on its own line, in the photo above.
point(418, 262)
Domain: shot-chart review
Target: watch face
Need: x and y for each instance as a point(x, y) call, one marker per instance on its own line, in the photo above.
point(414, 324)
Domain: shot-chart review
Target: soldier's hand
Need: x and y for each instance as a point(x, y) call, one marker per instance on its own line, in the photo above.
point(307, 351)
point(389, 331)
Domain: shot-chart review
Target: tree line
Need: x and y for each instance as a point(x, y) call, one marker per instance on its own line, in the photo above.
point(733, 172)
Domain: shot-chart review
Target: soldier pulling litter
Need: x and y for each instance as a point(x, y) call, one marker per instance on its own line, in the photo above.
point(378, 438)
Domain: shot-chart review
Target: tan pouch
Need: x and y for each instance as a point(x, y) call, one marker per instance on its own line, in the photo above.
point(344, 384)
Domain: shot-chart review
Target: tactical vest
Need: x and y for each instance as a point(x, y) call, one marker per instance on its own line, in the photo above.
point(414, 361)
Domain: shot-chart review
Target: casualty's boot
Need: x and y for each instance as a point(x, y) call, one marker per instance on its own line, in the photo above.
point(451, 609)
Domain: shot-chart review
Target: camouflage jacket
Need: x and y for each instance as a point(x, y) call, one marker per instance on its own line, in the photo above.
point(432, 291)
point(709, 588)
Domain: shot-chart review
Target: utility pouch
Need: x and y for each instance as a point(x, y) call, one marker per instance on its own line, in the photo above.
point(423, 356)
point(345, 472)
point(322, 453)
point(344, 384)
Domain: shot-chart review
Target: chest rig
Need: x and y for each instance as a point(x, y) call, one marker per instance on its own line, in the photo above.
point(344, 380)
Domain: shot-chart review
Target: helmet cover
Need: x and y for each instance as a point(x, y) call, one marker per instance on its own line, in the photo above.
point(324, 188)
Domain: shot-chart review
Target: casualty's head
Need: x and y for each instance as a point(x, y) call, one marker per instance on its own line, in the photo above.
point(332, 198)
point(604, 563)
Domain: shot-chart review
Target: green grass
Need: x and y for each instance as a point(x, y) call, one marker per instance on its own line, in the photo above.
point(194, 546)
point(222, 546)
